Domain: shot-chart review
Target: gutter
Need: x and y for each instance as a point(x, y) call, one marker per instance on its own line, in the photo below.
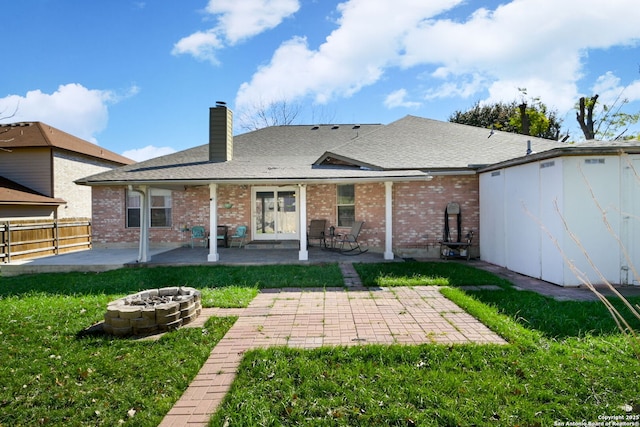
point(254, 181)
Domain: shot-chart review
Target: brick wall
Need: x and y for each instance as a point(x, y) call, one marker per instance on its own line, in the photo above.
point(418, 211)
point(189, 207)
point(69, 167)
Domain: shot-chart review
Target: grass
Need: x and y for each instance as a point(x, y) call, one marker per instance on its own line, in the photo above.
point(52, 373)
point(425, 274)
point(566, 362)
point(130, 280)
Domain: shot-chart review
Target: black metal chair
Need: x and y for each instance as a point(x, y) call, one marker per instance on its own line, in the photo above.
point(347, 244)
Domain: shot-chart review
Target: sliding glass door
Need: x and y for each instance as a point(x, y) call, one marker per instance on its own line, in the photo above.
point(275, 213)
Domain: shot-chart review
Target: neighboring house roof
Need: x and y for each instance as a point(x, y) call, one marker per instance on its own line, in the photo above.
point(408, 148)
point(12, 193)
point(38, 134)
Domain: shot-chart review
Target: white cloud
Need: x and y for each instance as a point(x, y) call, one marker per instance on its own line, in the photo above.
point(242, 19)
point(611, 91)
point(148, 152)
point(398, 99)
point(237, 20)
point(200, 45)
point(72, 107)
point(462, 87)
point(368, 40)
point(541, 45)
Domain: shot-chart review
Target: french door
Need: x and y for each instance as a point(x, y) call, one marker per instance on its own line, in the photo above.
point(275, 213)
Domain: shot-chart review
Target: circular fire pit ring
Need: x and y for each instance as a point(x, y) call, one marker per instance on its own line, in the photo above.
point(151, 311)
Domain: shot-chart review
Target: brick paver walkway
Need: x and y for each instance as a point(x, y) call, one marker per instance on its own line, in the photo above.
point(310, 318)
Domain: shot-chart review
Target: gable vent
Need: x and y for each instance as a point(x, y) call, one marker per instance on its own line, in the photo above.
point(593, 161)
point(544, 165)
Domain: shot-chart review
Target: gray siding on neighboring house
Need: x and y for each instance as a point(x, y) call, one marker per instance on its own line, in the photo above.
point(26, 212)
point(30, 167)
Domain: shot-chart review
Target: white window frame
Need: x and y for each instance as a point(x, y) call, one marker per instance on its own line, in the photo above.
point(157, 193)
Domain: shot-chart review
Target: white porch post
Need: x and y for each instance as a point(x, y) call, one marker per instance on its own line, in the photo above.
point(388, 217)
point(303, 255)
point(213, 256)
point(145, 197)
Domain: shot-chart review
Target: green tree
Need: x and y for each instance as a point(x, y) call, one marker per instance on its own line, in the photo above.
point(530, 118)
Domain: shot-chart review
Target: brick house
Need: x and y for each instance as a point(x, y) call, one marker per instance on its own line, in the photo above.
point(398, 178)
point(38, 167)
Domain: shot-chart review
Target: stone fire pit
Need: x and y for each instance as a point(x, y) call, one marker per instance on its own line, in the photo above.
point(151, 311)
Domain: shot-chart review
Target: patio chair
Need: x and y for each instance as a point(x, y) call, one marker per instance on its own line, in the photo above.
point(223, 234)
point(317, 229)
point(347, 244)
point(239, 237)
point(198, 233)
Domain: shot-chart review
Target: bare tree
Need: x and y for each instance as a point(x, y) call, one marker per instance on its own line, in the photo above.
point(275, 113)
point(585, 116)
point(4, 117)
point(612, 123)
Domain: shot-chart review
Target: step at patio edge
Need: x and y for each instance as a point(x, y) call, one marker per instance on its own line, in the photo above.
point(276, 244)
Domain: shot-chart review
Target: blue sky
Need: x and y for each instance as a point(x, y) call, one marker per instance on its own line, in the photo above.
point(138, 77)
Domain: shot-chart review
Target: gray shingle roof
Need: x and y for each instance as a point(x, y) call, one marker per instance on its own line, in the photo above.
point(405, 148)
point(418, 143)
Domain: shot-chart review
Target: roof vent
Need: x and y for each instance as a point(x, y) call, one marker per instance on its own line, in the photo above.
point(335, 127)
point(315, 128)
point(356, 127)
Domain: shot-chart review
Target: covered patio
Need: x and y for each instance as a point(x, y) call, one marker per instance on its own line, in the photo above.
point(97, 259)
point(235, 256)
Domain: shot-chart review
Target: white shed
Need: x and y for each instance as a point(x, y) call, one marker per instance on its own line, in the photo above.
point(566, 215)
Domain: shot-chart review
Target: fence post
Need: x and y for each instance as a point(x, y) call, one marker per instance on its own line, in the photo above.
point(56, 241)
point(8, 241)
point(4, 241)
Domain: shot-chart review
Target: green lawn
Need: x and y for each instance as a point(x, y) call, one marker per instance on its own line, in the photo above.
point(424, 274)
point(54, 374)
point(566, 361)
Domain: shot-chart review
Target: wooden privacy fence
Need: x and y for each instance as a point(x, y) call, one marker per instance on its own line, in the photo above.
point(23, 239)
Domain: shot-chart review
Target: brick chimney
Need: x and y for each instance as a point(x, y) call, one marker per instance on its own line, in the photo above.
point(220, 133)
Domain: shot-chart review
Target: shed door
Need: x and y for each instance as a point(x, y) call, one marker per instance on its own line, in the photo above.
point(631, 221)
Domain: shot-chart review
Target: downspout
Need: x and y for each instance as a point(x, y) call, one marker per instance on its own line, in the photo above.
point(388, 220)
point(303, 255)
point(213, 256)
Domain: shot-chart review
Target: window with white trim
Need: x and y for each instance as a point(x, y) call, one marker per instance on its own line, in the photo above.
point(159, 211)
point(346, 205)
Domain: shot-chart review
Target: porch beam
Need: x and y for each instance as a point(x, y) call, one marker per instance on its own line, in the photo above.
point(303, 255)
point(213, 256)
point(388, 220)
